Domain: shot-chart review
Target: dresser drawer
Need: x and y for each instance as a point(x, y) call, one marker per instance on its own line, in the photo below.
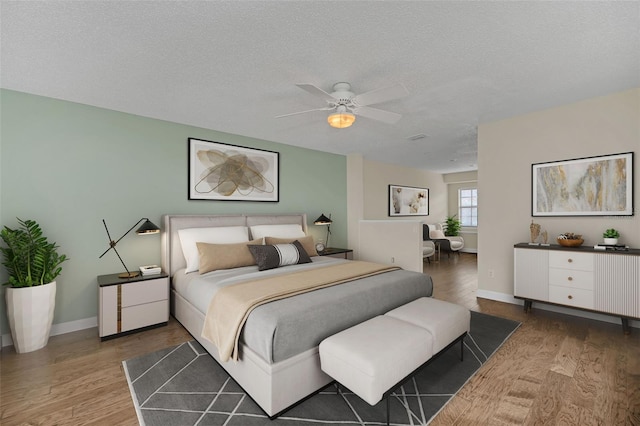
point(571, 278)
point(143, 315)
point(576, 297)
point(571, 260)
point(137, 293)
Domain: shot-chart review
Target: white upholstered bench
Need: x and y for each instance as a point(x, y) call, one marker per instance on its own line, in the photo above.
point(375, 357)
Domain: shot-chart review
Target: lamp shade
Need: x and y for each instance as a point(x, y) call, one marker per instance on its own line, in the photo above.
point(341, 120)
point(323, 220)
point(147, 227)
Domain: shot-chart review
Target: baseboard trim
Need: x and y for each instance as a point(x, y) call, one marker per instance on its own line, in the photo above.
point(82, 324)
point(508, 298)
point(61, 328)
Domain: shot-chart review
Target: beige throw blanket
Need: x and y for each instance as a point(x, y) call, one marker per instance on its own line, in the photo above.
point(230, 307)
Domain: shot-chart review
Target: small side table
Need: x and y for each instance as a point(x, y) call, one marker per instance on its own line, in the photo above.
point(337, 252)
point(133, 304)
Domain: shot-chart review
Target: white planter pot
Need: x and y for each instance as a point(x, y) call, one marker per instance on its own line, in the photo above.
point(611, 241)
point(30, 313)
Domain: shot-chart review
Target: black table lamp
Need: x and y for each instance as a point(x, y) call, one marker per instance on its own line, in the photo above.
point(323, 220)
point(145, 229)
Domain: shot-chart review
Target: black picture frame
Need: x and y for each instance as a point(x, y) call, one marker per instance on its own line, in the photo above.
point(588, 186)
point(225, 172)
point(408, 201)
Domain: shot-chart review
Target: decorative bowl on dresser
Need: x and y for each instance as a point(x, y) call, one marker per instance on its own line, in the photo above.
point(570, 243)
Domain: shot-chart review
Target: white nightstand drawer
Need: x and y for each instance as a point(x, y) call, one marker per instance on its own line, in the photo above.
point(137, 293)
point(126, 304)
point(143, 315)
point(571, 260)
point(571, 278)
point(577, 297)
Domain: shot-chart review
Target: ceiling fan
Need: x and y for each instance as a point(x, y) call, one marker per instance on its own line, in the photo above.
point(346, 105)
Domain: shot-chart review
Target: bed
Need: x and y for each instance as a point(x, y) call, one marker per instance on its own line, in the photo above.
point(278, 361)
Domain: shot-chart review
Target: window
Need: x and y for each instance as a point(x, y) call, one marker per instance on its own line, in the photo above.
point(468, 207)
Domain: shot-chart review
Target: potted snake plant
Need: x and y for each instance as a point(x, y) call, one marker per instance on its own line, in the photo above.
point(33, 263)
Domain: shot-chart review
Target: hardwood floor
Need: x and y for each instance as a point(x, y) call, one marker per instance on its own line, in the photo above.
point(76, 379)
point(555, 369)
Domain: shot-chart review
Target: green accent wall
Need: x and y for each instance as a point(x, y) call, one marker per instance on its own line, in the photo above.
point(68, 166)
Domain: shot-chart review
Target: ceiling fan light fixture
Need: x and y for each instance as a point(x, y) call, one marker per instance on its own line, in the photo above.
point(341, 120)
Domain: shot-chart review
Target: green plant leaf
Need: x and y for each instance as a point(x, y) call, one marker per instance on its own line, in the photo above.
point(29, 258)
point(452, 226)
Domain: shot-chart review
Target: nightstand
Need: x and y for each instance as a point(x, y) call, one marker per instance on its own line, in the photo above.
point(337, 252)
point(133, 304)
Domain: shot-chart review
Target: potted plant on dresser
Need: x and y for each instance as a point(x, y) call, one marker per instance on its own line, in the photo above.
point(611, 236)
point(33, 263)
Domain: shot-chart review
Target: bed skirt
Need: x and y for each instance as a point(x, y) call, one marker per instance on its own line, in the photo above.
point(274, 387)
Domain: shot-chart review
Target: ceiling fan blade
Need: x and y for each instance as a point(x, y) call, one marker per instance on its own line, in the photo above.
point(377, 114)
point(317, 92)
point(379, 96)
point(304, 112)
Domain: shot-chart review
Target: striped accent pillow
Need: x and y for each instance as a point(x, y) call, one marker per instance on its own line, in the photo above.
point(277, 255)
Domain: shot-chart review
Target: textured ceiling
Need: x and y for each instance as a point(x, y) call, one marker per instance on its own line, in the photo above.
point(232, 66)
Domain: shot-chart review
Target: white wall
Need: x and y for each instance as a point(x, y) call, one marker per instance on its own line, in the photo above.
point(367, 193)
point(355, 200)
point(378, 177)
point(397, 242)
point(506, 150)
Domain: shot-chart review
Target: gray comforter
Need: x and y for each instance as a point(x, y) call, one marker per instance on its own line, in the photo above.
point(287, 327)
point(281, 329)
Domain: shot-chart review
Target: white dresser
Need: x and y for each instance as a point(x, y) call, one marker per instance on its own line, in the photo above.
point(133, 304)
point(579, 277)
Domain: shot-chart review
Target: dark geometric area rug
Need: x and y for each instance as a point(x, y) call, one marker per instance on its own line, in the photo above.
point(184, 385)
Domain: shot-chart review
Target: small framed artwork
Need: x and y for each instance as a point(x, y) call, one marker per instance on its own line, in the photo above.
point(591, 186)
point(408, 201)
point(224, 172)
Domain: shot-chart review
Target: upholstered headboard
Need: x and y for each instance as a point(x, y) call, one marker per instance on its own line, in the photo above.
point(171, 250)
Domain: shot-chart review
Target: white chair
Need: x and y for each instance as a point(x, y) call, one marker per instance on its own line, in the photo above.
point(449, 244)
point(428, 250)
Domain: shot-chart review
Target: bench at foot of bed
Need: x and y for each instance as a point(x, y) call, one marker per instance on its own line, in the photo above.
point(375, 357)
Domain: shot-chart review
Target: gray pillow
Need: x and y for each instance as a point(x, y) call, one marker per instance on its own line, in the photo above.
point(277, 255)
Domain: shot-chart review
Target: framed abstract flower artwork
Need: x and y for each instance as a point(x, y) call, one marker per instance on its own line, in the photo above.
point(219, 171)
point(408, 201)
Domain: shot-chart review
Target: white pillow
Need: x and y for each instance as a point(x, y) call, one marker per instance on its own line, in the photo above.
point(218, 235)
point(436, 234)
point(278, 231)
